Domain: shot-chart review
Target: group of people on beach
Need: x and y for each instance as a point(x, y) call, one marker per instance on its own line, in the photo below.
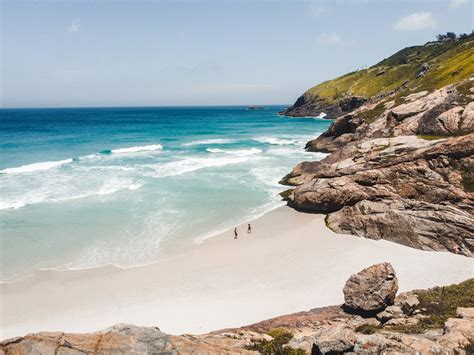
point(249, 231)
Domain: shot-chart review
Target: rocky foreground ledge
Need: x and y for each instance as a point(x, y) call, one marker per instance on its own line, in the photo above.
point(373, 320)
point(399, 170)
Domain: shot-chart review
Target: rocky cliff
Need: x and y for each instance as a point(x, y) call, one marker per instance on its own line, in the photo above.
point(373, 320)
point(427, 67)
point(401, 171)
point(401, 167)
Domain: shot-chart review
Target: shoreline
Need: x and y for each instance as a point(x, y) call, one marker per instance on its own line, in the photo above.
point(173, 251)
point(291, 262)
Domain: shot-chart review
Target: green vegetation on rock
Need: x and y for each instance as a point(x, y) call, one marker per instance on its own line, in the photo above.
point(427, 67)
point(286, 194)
point(276, 345)
point(368, 328)
point(439, 304)
point(369, 116)
point(430, 137)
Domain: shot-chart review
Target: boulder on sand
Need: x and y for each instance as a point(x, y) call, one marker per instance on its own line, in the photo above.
point(372, 289)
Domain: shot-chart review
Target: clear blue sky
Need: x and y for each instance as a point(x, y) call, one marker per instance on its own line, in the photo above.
point(134, 53)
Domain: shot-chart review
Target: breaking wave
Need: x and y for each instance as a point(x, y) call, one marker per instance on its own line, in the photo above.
point(209, 141)
point(242, 152)
point(143, 148)
point(275, 141)
point(47, 196)
point(36, 166)
point(190, 164)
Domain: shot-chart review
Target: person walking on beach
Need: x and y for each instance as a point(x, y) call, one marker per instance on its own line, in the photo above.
point(249, 229)
point(235, 233)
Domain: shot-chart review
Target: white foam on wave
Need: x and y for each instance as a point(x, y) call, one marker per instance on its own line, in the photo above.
point(276, 141)
point(144, 148)
point(242, 152)
point(251, 216)
point(47, 196)
point(190, 164)
point(36, 167)
point(132, 247)
point(209, 141)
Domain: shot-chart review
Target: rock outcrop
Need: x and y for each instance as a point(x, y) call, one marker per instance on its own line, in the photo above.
point(444, 112)
point(407, 72)
point(327, 330)
point(383, 181)
point(371, 289)
point(309, 105)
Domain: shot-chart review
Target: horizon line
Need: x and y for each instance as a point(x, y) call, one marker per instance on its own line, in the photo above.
point(145, 106)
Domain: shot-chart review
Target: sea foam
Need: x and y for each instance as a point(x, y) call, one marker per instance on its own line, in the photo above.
point(48, 197)
point(241, 152)
point(275, 141)
point(36, 166)
point(209, 141)
point(143, 148)
point(190, 164)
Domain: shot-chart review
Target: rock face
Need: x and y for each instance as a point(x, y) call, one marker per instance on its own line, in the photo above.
point(119, 339)
point(371, 289)
point(307, 105)
point(404, 189)
point(382, 181)
point(328, 330)
point(443, 112)
point(407, 302)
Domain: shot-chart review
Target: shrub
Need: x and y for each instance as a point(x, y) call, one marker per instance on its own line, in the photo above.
point(276, 345)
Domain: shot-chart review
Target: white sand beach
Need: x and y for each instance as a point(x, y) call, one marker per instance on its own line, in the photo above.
point(291, 262)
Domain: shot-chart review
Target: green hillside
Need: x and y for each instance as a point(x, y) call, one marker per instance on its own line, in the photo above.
point(448, 62)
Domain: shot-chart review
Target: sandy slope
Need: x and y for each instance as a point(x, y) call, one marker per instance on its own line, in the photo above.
point(291, 262)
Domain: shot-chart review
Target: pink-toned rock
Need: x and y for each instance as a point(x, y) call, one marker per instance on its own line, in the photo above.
point(372, 289)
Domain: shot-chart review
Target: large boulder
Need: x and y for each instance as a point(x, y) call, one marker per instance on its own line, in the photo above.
point(372, 289)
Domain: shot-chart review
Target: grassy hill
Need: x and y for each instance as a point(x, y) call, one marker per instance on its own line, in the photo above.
point(440, 64)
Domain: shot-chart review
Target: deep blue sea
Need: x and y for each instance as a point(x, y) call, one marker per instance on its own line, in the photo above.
point(88, 187)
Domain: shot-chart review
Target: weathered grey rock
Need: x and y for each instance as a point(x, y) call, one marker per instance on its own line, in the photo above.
point(404, 189)
point(402, 321)
point(334, 339)
point(312, 105)
point(459, 332)
point(326, 330)
point(408, 302)
point(465, 313)
point(371, 289)
point(391, 312)
point(419, 225)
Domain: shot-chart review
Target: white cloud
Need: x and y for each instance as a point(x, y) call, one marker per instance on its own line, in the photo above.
point(415, 21)
point(329, 38)
point(456, 3)
point(316, 9)
point(75, 26)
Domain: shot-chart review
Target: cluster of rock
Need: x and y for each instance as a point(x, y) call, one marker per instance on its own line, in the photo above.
point(373, 292)
point(310, 105)
point(382, 181)
point(370, 300)
point(444, 112)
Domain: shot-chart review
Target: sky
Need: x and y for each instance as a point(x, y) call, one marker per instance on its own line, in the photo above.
point(172, 53)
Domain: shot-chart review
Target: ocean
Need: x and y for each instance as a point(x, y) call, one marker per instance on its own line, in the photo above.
point(88, 187)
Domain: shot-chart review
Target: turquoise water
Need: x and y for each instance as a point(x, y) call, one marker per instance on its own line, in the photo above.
point(82, 188)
